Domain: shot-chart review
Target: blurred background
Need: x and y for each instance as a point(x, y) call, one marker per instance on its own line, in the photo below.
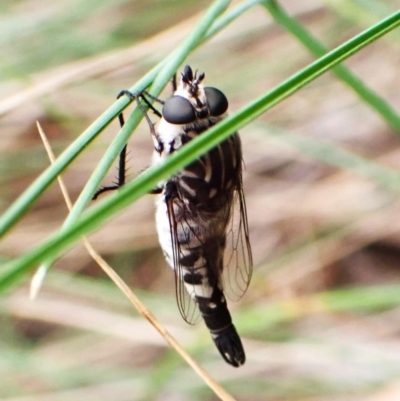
point(321, 319)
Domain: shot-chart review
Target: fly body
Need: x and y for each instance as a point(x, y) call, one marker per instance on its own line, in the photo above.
point(201, 212)
point(201, 215)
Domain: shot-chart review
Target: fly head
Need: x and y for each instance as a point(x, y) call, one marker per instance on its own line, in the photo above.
point(191, 101)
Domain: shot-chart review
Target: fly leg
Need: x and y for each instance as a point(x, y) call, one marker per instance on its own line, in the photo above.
point(122, 156)
point(158, 146)
point(174, 83)
point(121, 176)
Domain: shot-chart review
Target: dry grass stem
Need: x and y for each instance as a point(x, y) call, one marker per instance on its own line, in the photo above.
point(38, 278)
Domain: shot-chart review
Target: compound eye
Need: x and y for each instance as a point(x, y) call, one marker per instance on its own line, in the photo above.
point(178, 110)
point(217, 101)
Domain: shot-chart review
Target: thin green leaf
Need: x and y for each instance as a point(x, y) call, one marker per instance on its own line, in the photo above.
point(370, 97)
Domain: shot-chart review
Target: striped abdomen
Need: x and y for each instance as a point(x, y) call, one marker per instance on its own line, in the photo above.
point(200, 197)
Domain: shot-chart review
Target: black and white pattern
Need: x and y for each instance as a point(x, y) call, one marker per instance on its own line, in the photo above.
point(201, 214)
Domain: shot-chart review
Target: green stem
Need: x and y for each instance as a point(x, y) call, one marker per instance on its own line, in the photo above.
point(370, 97)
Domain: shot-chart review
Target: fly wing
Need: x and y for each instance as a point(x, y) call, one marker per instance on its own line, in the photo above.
point(238, 260)
point(193, 237)
point(181, 227)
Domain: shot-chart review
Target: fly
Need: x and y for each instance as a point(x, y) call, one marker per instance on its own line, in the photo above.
point(201, 212)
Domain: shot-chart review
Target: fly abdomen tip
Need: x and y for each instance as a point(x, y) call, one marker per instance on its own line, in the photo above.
point(230, 346)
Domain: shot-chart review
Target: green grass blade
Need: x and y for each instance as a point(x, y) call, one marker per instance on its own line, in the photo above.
point(230, 16)
point(98, 214)
point(27, 199)
point(370, 97)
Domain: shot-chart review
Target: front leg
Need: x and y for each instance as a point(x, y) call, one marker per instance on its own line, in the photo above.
point(158, 145)
point(121, 179)
point(121, 171)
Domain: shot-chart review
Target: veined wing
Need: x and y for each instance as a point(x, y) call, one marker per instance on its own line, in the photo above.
point(192, 238)
point(238, 260)
point(181, 234)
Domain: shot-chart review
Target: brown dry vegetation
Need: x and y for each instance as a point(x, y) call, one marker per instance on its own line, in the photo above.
point(315, 229)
